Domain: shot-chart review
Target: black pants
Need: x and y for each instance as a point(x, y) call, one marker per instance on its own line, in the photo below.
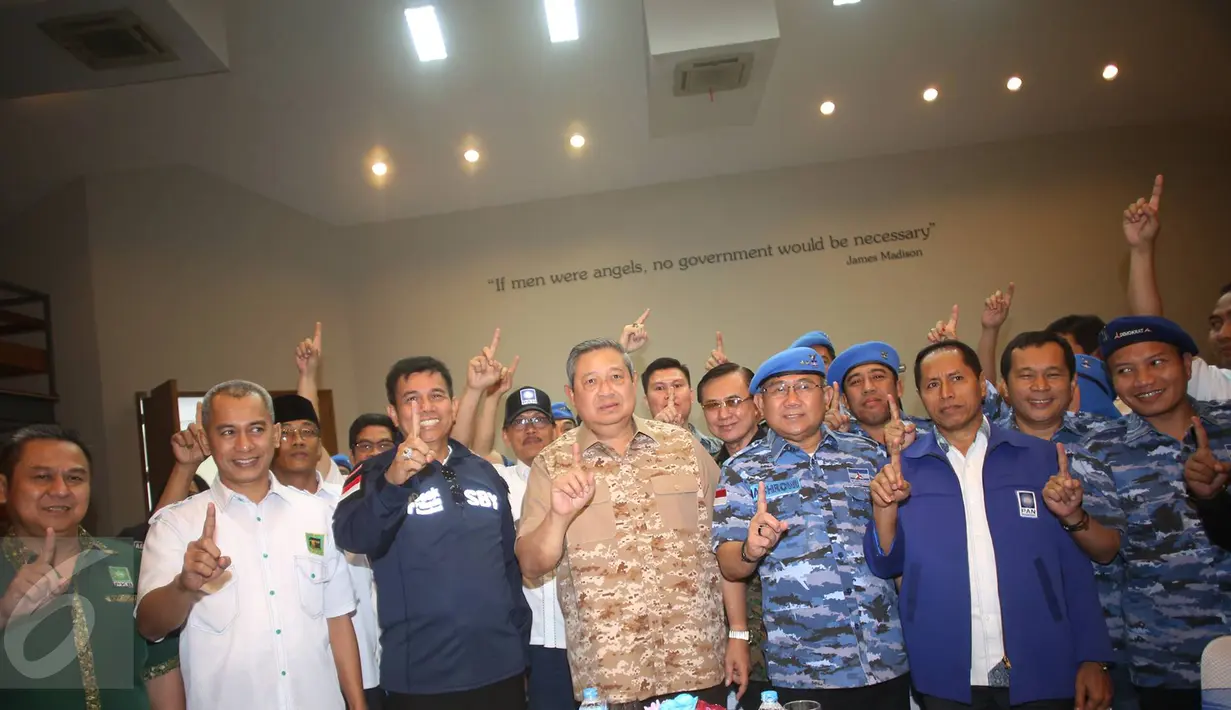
point(1169, 698)
point(984, 698)
point(890, 695)
point(510, 694)
point(375, 698)
point(551, 685)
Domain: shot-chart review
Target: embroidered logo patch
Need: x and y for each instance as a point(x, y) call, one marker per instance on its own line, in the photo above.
point(528, 396)
point(316, 543)
point(1027, 505)
point(121, 577)
point(720, 497)
point(427, 504)
point(352, 485)
point(859, 475)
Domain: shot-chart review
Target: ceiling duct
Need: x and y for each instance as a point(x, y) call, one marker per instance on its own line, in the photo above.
point(108, 40)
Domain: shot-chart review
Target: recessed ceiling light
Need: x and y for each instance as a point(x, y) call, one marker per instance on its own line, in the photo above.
point(828, 108)
point(930, 93)
point(1015, 83)
point(471, 156)
point(845, 2)
point(577, 140)
point(561, 20)
point(1110, 72)
point(425, 32)
point(379, 168)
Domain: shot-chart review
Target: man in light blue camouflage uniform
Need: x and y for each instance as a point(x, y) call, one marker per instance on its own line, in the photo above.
point(1177, 594)
point(1038, 373)
point(795, 509)
point(866, 375)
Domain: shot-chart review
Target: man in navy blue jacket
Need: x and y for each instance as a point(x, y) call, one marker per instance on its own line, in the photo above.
point(434, 520)
point(999, 607)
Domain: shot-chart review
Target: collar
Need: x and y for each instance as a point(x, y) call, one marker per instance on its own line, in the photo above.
point(1070, 422)
point(586, 437)
point(985, 430)
point(222, 495)
point(930, 445)
point(1138, 426)
point(19, 554)
point(777, 444)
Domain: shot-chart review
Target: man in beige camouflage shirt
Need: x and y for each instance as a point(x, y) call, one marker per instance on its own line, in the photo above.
point(624, 506)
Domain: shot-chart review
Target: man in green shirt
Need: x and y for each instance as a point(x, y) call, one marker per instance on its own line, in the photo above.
point(67, 634)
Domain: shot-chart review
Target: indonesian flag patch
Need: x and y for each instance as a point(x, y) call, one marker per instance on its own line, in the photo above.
point(353, 484)
point(720, 497)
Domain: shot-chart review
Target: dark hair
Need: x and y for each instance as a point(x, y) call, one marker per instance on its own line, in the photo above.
point(363, 421)
point(412, 366)
point(969, 357)
point(201, 484)
point(1084, 329)
point(1036, 339)
point(1225, 290)
point(15, 444)
point(663, 363)
point(722, 370)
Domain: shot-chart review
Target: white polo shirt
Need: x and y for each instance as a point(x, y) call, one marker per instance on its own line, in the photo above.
point(547, 626)
point(261, 639)
point(1209, 383)
point(366, 628)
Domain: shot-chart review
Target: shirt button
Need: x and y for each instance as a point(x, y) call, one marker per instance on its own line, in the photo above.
point(278, 631)
point(265, 554)
point(283, 672)
point(849, 592)
point(271, 592)
point(312, 576)
point(258, 519)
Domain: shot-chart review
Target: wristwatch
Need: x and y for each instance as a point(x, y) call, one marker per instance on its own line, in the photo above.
point(739, 635)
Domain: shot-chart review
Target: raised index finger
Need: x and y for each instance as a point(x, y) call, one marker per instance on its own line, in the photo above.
point(719, 338)
point(1009, 293)
point(1063, 457)
point(762, 506)
point(414, 420)
point(199, 409)
point(491, 349)
point(48, 555)
point(207, 530)
point(641, 320)
point(1157, 194)
point(1203, 440)
point(577, 455)
point(894, 414)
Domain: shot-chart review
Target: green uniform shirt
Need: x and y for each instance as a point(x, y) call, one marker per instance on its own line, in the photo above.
point(81, 650)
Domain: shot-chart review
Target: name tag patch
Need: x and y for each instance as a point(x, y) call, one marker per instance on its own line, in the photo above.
point(859, 475)
point(1027, 504)
point(121, 577)
point(427, 504)
point(776, 489)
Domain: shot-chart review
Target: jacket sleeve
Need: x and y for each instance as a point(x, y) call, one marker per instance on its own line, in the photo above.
point(1091, 641)
point(1215, 517)
point(885, 566)
point(371, 509)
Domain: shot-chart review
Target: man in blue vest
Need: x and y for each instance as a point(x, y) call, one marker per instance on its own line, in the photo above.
point(1016, 621)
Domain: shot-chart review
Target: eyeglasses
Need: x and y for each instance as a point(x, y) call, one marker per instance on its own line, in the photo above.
point(527, 422)
point(367, 447)
point(731, 402)
point(780, 390)
point(455, 490)
point(306, 433)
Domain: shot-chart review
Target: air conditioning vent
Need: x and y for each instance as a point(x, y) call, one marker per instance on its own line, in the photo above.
point(701, 76)
point(108, 40)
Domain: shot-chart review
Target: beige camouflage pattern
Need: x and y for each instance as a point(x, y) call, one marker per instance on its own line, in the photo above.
point(639, 584)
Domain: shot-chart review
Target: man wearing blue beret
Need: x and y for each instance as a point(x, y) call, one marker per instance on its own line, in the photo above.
point(866, 376)
point(563, 418)
point(795, 508)
point(819, 341)
point(1169, 459)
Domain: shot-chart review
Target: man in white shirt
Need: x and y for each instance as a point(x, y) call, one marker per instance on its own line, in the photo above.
point(1141, 228)
point(249, 569)
point(294, 465)
point(528, 427)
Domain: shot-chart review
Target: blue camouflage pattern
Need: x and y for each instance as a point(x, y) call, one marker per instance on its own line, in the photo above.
point(1177, 586)
point(830, 623)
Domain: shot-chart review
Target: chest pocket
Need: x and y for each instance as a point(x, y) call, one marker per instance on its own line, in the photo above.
point(310, 577)
point(675, 497)
point(216, 612)
point(597, 522)
point(858, 501)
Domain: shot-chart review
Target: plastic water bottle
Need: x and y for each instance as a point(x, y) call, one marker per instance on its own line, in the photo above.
point(769, 700)
point(591, 701)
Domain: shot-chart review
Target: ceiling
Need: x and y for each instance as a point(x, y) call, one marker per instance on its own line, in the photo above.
point(314, 86)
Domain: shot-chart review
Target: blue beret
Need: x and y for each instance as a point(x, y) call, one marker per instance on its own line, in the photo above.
point(812, 339)
point(1097, 396)
point(790, 361)
point(1144, 329)
point(560, 411)
point(342, 460)
point(862, 354)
